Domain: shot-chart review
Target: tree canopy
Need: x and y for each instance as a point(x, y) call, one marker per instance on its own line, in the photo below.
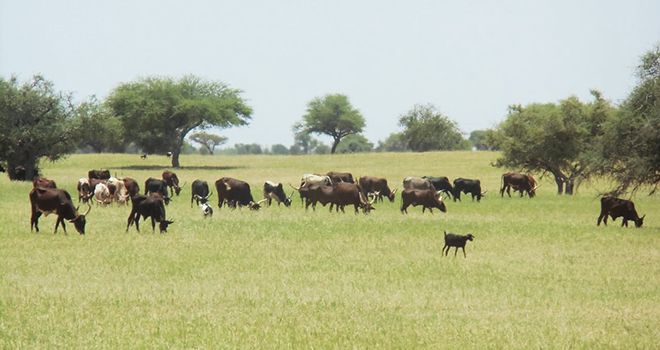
point(355, 143)
point(426, 129)
point(395, 142)
point(332, 115)
point(555, 138)
point(99, 128)
point(630, 147)
point(35, 121)
point(158, 113)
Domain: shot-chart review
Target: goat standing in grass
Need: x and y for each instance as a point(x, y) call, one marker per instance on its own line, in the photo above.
point(456, 241)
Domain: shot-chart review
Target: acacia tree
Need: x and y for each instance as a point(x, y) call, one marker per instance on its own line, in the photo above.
point(630, 147)
point(208, 141)
point(35, 121)
point(426, 129)
point(332, 115)
point(158, 113)
point(555, 138)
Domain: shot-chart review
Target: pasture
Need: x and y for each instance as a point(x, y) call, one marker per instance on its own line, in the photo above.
point(539, 273)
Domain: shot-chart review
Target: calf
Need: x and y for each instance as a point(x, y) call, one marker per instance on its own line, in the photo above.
point(466, 186)
point(102, 194)
point(118, 190)
point(148, 206)
point(85, 192)
point(426, 198)
point(172, 181)
point(275, 191)
point(456, 241)
point(51, 200)
point(617, 207)
point(131, 186)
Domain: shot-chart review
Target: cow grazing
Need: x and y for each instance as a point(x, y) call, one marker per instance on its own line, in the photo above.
point(152, 185)
point(339, 195)
point(417, 183)
point(131, 186)
point(85, 192)
point(456, 241)
point(440, 183)
point(43, 182)
point(275, 191)
point(102, 194)
point(376, 186)
point(617, 207)
point(235, 193)
point(118, 190)
point(200, 192)
point(148, 206)
point(466, 186)
point(427, 198)
point(52, 200)
point(338, 177)
point(98, 174)
point(520, 182)
point(172, 181)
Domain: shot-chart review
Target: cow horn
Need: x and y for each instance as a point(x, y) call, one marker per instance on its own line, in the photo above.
point(484, 193)
point(88, 209)
point(643, 216)
point(396, 189)
point(261, 201)
point(297, 189)
point(291, 195)
point(372, 200)
point(209, 195)
point(377, 193)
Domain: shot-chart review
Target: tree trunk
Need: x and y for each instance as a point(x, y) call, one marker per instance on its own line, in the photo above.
point(560, 184)
point(175, 157)
point(335, 143)
point(570, 186)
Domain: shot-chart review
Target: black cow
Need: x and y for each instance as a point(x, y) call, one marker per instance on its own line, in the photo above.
point(428, 198)
point(275, 191)
point(152, 185)
point(52, 200)
point(440, 183)
point(520, 182)
point(466, 186)
point(235, 192)
point(617, 207)
point(376, 186)
point(99, 174)
point(148, 206)
point(172, 181)
point(338, 177)
point(200, 192)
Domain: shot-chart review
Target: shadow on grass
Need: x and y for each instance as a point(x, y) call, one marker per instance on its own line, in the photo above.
point(160, 167)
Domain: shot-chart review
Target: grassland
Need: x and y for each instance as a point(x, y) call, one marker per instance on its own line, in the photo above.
point(539, 274)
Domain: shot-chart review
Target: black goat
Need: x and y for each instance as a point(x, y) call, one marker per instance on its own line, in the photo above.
point(456, 241)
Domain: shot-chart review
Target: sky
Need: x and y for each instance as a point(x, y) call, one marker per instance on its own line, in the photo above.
point(470, 59)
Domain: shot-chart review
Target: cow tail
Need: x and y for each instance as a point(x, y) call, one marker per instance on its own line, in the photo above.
point(502, 184)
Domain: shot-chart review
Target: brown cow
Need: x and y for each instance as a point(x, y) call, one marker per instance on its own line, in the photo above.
point(131, 186)
point(520, 182)
point(338, 177)
point(428, 198)
point(617, 207)
point(376, 186)
point(172, 181)
point(43, 182)
point(52, 200)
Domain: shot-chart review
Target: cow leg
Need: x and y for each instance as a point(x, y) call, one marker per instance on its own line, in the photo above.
point(431, 210)
point(137, 222)
point(34, 220)
point(130, 220)
point(153, 225)
point(465, 256)
point(455, 251)
point(443, 250)
point(404, 208)
point(57, 223)
point(625, 222)
point(600, 217)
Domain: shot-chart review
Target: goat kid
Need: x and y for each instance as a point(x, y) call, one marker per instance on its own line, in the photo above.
point(456, 241)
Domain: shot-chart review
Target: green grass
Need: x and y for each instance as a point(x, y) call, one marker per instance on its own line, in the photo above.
point(539, 274)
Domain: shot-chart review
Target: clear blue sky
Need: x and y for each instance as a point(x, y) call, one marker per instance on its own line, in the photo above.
point(471, 59)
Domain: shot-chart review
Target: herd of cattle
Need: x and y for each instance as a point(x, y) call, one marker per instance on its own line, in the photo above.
point(335, 188)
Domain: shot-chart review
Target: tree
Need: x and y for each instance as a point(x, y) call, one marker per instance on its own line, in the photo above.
point(332, 115)
point(279, 149)
point(393, 143)
point(35, 121)
point(158, 113)
point(481, 140)
point(554, 138)
point(303, 141)
point(629, 150)
point(426, 129)
point(208, 141)
point(356, 143)
point(99, 128)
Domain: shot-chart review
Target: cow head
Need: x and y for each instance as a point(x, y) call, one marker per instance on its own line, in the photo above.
point(287, 201)
point(79, 221)
point(439, 202)
point(257, 205)
point(366, 205)
point(639, 222)
point(470, 237)
point(206, 209)
point(392, 194)
point(164, 224)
